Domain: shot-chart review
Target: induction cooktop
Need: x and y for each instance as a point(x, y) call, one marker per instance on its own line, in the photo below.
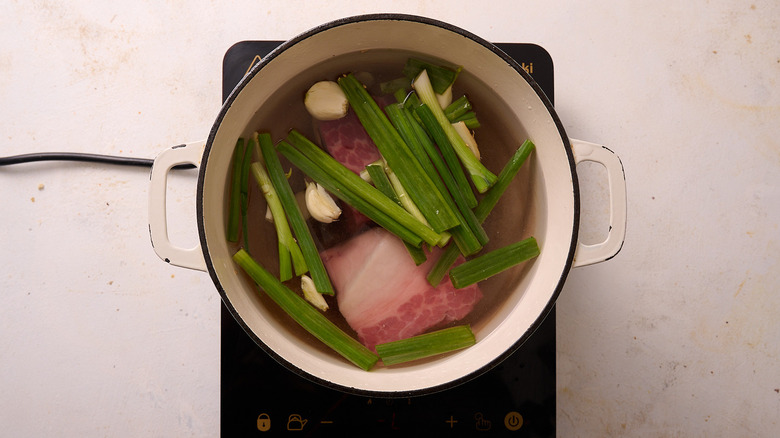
point(260, 397)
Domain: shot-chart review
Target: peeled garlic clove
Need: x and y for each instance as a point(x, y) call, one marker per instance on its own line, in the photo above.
point(325, 100)
point(311, 295)
point(320, 205)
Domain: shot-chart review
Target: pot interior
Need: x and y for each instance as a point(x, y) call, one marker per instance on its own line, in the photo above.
point(541, 201)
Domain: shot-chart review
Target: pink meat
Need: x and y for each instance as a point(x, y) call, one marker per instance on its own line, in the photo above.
point(384, 296)
point(348, 142)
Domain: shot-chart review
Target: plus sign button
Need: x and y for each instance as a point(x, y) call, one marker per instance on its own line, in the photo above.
point(513, 420)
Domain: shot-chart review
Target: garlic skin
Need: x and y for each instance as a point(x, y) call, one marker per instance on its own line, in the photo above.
point(320, 205)
point(311, 295)
point(325, 100)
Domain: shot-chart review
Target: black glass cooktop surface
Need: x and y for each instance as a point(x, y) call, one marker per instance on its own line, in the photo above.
point(260, 397)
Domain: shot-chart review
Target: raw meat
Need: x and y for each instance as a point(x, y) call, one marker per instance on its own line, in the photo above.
point(384, 296)
point(348, 142)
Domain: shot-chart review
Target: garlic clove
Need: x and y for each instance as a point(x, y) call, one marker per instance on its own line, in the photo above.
point(320, 204)
point(325, 100)
point(311, 295)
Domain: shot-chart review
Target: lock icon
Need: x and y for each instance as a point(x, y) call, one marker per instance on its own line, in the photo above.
point(295, 422)
point(263, 422)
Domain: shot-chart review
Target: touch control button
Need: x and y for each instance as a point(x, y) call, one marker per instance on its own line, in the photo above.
point(263, 422)
point(513, 420)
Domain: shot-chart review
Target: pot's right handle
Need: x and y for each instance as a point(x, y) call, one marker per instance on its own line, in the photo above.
point(599, 252)
point(192, 258)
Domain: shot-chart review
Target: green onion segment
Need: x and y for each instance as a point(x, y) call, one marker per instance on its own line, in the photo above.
point(383, 184)
point(286, 196)
point(288, 247)
point(491, 263)
point(421, 146)
point(349, 187)
point(432, 126)
point(234, 207)
point(398, 156)
point(441, 77)
point(480, 175)
point(486, 205)
point(426, 345)
point(306, 315)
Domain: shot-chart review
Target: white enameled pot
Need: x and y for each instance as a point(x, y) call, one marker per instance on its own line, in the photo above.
point(548, 207)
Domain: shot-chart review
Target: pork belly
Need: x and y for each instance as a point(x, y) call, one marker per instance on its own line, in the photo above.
point(384, 296)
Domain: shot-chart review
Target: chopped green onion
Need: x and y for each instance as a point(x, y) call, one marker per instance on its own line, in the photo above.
point(245, 163)
point(470, 119)
point(441, 77)
point(493, 262)
point(410, 101)
point(506, 176)
point(480, 175)
point(469, 234)
point(306, 315)
point(442, 265)
point(398, 156)
point(457, 108)
point(395, 85)
point(432, 126)
point(426, 345)
point(361, 188)
point(407, 203)
point(385, 212)
point(298, 224)
point(463, 201)
point(450, 253)
point(383, 184)
point(403, 196)
point(288, 247)
point(234, 207)
point(400, 95)
point(285, 262)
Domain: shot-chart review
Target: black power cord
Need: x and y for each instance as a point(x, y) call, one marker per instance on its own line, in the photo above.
point(83, 157)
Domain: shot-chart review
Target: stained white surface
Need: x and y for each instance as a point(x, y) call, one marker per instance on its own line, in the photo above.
point(676, 336)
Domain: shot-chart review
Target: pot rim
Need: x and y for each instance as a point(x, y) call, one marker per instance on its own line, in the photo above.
point(388, 17)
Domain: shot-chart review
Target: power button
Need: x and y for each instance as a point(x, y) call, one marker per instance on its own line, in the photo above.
point(513, 420)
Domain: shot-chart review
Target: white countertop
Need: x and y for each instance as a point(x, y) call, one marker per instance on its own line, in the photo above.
point(676, 336)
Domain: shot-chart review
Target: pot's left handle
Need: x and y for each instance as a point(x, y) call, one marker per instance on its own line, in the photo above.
point(599, 252)
point(190, 153)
